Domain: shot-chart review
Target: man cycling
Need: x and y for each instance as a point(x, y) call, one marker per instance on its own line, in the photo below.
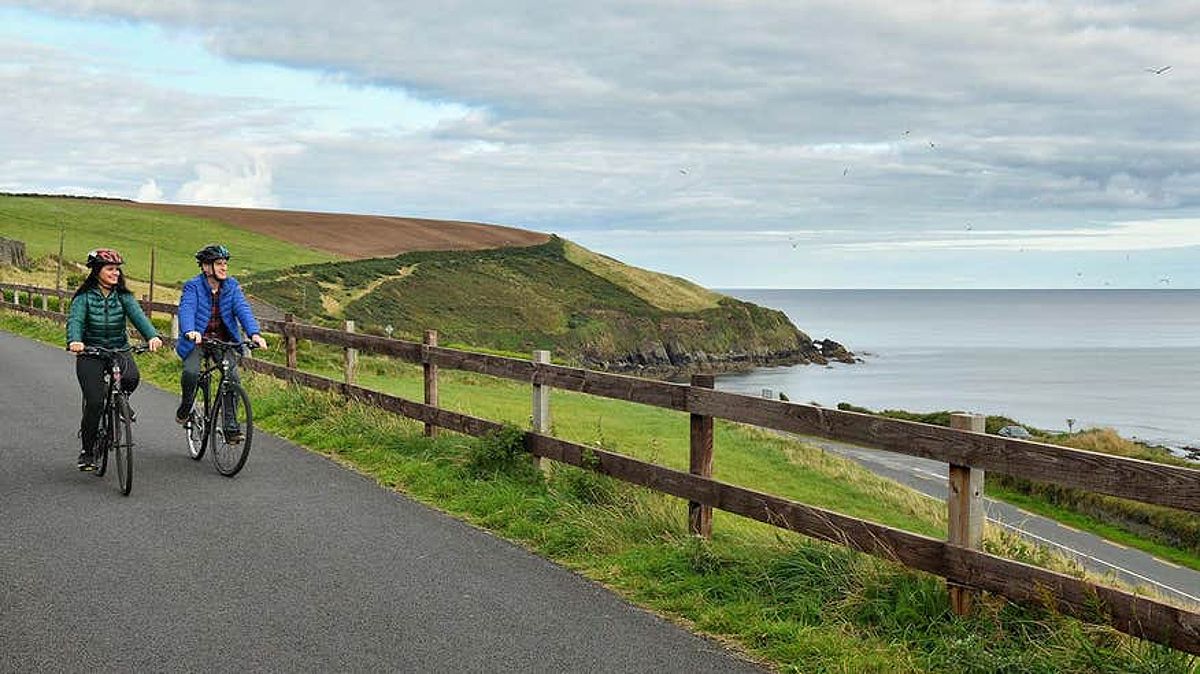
point(212, 307)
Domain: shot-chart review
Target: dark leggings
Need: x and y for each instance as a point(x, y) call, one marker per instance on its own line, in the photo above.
point(90, 372)
point(190, 377)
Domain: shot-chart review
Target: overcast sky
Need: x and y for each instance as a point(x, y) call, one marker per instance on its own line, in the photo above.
point(848, 143)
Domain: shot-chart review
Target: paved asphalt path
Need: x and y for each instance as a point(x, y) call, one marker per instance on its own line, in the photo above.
point(294, 565)
point(1181, 585)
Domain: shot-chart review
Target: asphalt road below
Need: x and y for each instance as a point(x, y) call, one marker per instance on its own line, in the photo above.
point(294, 565)
point(1180, 585)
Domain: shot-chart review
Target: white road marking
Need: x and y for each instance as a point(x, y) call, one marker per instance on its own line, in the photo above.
point(922, 473)
point(1073, 551)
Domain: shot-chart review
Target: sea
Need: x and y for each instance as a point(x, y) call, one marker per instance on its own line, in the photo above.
point(1054, 359)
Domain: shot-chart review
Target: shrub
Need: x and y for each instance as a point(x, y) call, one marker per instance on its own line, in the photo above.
point(501, 453)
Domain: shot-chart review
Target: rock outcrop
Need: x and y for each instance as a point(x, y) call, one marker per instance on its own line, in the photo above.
point(12, 252)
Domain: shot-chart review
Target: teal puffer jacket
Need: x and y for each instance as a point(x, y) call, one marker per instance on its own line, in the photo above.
point(97, 320)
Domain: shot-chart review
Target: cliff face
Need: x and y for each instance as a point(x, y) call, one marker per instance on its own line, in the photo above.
point(736, 335)
point(583, 307)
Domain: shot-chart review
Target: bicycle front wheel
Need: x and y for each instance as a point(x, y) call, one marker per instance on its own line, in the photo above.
point(230, 429)
point(102, 443)
point(123, 447)
point(196, 428)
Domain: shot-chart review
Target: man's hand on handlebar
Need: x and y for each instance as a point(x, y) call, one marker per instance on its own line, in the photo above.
point(194, 336)
point(258, 341)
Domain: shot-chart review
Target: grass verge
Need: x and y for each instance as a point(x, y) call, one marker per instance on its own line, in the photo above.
point(794, 604)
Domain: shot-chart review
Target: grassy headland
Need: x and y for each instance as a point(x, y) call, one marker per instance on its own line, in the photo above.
point(791, 603)
point(586, 308)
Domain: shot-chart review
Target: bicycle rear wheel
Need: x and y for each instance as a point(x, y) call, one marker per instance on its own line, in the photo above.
point(229, 449)
point(196, 428)
point(101, 444)
point(123, 447)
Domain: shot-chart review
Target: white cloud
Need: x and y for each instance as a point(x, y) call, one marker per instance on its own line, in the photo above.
point(149, 192)
point(1121, 236)
point(246, 186)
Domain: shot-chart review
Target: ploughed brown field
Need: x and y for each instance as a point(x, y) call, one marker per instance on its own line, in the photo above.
point(361, 236)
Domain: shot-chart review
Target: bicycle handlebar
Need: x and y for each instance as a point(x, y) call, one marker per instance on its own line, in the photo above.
point(228, 345)
point(105, 351)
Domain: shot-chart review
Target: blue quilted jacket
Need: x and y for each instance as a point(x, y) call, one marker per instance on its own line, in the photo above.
point(195, 306)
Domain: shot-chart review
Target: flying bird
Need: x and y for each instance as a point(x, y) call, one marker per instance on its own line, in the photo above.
point(683, 171)
point(1158, 71)
point(845, 170)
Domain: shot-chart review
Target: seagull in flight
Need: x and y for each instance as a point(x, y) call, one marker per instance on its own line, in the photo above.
point(683, 171)
point(1158, 71)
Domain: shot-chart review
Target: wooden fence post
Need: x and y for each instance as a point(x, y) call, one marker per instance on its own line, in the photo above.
point(45, 301)
point(967, 516)
point(431, 374)
point(351, 356)
point(289, 340)
point(175, 326)
point(541, 401)
point(701, 460)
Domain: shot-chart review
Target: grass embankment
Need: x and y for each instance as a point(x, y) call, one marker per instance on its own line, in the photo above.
point(556, 296)
point(92, 224)
point(1167, 533)
point(796, 604)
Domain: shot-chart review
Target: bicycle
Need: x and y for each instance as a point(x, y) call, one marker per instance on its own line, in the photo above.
point(115, 431)
point(229, 438)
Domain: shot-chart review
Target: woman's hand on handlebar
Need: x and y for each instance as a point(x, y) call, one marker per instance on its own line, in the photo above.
point(75, 347)
point(155, 343)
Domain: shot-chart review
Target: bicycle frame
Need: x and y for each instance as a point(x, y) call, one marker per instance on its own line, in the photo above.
point(220, 402)
point(114, 411)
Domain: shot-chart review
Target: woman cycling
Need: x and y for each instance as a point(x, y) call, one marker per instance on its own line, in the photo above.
point(99, 310)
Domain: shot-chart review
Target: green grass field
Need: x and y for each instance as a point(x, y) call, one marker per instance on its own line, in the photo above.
point(790, 603)
point(133, 232)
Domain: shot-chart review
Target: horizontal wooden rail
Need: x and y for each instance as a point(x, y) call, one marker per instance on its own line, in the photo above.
point(36, 290)
point(1134, 479)
point(164, 307)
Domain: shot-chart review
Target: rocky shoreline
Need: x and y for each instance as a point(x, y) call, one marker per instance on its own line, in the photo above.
point(667, 361)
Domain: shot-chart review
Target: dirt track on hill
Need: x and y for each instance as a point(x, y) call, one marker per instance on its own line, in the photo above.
point(360, 236)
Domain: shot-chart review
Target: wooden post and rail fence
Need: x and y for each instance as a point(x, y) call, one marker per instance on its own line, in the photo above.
point(968, 451)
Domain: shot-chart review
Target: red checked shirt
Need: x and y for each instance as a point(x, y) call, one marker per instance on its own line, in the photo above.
point(216, 327)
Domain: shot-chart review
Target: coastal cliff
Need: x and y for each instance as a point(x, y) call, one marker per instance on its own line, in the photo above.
point(586, 308)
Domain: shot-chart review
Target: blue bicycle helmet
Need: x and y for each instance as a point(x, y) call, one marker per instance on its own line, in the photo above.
point(212, 253)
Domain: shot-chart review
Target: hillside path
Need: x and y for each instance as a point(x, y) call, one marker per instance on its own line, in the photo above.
point(297, 564)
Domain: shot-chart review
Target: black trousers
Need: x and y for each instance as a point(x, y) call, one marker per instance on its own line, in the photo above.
point(90, 372)
point(190, 378)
